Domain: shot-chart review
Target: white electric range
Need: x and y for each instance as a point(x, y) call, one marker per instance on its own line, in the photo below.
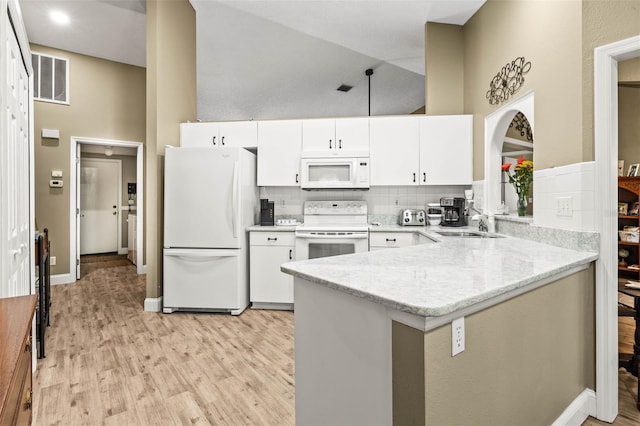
point(332, 228)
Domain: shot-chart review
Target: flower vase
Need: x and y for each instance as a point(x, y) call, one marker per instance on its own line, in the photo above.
point(522, 204)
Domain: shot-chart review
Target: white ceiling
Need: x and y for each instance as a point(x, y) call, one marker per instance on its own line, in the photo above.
point(273, 58)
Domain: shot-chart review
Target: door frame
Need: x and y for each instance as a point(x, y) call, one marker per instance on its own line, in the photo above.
point(119, 198)
point(74, 248)
point(605, 120)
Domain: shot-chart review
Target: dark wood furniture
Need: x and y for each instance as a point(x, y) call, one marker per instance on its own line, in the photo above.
point(43, 289)
point(16, 314)
point(629, 194)
point(630, 362)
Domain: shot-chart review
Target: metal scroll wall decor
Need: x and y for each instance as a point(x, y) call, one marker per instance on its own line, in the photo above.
point(508, 81)
point(522, 125)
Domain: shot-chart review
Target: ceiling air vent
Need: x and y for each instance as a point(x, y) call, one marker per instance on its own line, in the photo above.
point(344, 88)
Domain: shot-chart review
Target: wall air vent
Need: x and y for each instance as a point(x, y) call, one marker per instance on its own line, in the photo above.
point(50, 78)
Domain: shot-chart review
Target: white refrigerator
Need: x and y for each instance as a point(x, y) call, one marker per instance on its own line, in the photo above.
point(210, 197)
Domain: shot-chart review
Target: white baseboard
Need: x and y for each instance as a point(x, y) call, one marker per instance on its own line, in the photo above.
point(63, 279)
point(123, 250)
point(577, 412)
point(153, 304)
point(141, 269)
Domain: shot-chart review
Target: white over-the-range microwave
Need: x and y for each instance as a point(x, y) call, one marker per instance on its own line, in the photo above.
point(334, 172)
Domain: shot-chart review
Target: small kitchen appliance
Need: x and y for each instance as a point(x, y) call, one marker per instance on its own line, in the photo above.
point(452, 211)
point(413, 217)
point(267, 212)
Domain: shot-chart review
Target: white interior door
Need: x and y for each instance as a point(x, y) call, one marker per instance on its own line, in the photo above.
point(99, 201)
point(14, 217)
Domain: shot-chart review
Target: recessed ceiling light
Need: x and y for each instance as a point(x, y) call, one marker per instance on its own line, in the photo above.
point(59, 18)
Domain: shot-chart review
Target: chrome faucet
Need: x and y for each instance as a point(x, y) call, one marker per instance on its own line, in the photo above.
point(481, 217)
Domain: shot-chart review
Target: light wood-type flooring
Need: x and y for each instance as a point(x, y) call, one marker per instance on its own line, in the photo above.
point(109, 362)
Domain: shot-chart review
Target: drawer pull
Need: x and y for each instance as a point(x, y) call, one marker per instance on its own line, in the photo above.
point(272, 239)
point(391, 240)
point(28, 400)
point(28, 346)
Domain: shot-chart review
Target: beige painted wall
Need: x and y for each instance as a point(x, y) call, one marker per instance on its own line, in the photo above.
point(107, 102)
point(629, 125)
point(525, 360)
point(629, 70)
point(547, 33)
point(444, 78)
point(604, 22)
point(171, 99)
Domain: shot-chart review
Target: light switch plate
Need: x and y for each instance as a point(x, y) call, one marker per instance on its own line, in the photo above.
point(56, 173)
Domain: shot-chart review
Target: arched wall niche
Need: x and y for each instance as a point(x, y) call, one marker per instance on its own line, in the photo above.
point(495, 129)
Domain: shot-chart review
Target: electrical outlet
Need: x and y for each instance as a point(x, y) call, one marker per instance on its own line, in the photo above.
point(457, 336)
point(564, 206)
point(52, 261)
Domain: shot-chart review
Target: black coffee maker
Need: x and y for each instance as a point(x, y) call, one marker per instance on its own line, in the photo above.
point(452, 211)
point(267, 212)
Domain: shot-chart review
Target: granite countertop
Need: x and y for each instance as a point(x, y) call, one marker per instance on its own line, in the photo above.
point(275, 228)
point(432, 280)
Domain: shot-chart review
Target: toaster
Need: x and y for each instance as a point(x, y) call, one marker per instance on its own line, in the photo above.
point(413, 217)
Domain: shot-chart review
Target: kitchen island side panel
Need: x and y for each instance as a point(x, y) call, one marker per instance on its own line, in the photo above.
point(525, 359)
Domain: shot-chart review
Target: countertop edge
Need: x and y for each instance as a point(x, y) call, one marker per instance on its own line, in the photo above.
point(530, 281)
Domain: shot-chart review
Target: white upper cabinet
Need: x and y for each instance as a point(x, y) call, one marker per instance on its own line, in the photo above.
point(394, 150)
point(232, 133)
point(336, 137)
point(446, 150)
point(279, 146)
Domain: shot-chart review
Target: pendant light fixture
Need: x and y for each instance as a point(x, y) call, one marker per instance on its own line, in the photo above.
point(369, 73)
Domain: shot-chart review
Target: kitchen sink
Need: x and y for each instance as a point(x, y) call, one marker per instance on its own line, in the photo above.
point(468, 234)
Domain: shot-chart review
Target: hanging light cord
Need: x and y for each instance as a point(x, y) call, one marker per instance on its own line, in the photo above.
point(369, 73)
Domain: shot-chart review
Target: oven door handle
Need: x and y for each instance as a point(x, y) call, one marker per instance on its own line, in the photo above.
point(333, 237)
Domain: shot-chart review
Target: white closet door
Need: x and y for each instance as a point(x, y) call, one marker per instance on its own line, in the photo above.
point(17, 243)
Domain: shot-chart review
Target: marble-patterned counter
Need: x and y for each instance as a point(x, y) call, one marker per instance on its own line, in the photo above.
point(275, 228)
point(373, 344)
point(438, 279)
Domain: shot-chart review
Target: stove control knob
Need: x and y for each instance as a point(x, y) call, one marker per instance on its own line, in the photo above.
point(406, 219)
point(421, 219)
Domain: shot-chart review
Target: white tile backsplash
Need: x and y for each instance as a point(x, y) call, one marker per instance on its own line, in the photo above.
point(574, 180)
point(384, 200)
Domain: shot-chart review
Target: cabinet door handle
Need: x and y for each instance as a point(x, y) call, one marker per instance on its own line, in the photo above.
point(339, 143)
point(414, 177)
point(290, 254)
point(214, 140)
point(329, 143)
point(391, 240)
point(272, 239)
point(297, 181)
point(222, 140)
point(424, 177)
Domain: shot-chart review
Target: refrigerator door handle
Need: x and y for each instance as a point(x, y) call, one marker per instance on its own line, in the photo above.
point(234, 211)
point(199, 254)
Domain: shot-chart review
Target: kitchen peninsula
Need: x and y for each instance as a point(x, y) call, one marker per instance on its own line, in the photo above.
point(373, 341)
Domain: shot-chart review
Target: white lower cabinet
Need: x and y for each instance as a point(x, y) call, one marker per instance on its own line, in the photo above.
point(384, 240)
point(270, 288)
